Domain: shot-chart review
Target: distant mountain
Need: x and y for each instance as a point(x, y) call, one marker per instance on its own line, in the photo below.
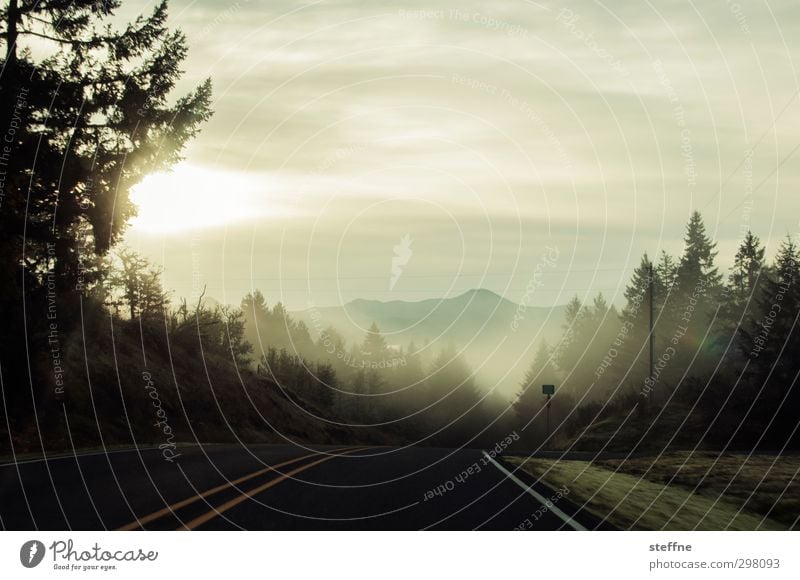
point(476, 313)
point(478, 320)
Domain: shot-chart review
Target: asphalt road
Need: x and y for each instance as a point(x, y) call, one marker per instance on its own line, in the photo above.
point(280, 487)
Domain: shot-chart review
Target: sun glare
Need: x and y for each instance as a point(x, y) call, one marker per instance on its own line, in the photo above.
point(191, 197)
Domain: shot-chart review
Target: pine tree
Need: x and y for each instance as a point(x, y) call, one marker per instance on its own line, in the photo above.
point(374, 348)
point(631, 348)
point(256, 318)
point(665, 275)
point(302, 343)
point(332, 347)
point(748, 265)
point(602, 349)
point(774, 340)
point(692, 306)
point(360, 382)
point(86, 116)
point(90, 118)
point(696, 270)
point(326, 386)
point(278, 328)
point(588, 335)
point(413, 369)
point(254, 306)
point(358, 404)
point(739, 301)
point(570, 346)
point(135, 283)
point(774, 335)
point(636, 292)
point(269, 363)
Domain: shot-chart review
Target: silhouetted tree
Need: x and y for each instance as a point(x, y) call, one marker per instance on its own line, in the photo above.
point(630, 364)
point(327, 384)
point(588, 336)
point(747, 267)
point(696, 266)
point(570, 347)
point(744, 281)
point(775, 334)
point(93, 118)
point(302, 344)
point(665, 275)
point(233, 338)
point(86, 115)
point(686, 324)
point(136, 284)
point(374, 348)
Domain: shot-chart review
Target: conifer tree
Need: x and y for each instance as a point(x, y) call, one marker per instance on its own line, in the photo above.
point(748, 265)
point(89, 119)
point(774, 335)
point(696, 270)
point(86, 116)
point(374, 348)
point(692, 305)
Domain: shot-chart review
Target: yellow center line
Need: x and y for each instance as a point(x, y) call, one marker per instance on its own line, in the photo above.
point(139, 522)
point(253, 492)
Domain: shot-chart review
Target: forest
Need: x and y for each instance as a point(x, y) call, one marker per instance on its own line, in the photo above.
point(85, 320)
point(724, 367)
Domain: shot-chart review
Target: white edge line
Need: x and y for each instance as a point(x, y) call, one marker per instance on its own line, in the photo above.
point(540, 498)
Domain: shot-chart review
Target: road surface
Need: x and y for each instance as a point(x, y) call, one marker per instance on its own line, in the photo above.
point(280, 487)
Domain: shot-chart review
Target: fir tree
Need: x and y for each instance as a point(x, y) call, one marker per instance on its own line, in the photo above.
point(326, 386)
point(748, 265)
point(696, 270)
point(374, 348)
point(774, 334)
point(692, 306)
point(774, 341)
point(89, 113)
point(90, 118)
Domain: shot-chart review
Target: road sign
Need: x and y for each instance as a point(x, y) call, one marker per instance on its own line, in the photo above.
point(548, 389)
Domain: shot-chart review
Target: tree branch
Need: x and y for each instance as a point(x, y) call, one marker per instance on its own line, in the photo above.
point(53, 38)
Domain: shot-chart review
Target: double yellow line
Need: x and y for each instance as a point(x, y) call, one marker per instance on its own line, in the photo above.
point(214, 512)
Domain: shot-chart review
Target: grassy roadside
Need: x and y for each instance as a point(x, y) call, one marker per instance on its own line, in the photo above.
point(634, 494)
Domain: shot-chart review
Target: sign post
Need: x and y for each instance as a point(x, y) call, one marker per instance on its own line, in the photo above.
point(548, 390)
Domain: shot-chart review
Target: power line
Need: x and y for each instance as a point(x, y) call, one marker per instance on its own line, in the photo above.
point(765, 180)
point(751, 150)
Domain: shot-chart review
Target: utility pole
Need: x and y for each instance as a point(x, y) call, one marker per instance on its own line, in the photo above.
point(548, 418)
point(650, 291)
point(548, 391)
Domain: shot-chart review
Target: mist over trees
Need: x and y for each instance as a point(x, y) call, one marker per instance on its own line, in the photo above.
point(92, 111)
point(725, 355)
point(417, 396)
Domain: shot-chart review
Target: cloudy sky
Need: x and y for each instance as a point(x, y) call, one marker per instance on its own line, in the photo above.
point(493, 135)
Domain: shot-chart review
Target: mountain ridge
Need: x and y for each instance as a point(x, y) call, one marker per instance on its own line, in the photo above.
point(496, 333)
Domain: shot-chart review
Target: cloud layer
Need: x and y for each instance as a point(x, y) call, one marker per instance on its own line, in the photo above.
point(485, 132)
